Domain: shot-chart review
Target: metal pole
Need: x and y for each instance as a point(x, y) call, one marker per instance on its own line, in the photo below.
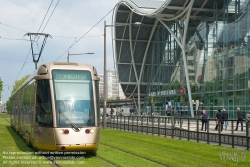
point(104, 80)
point(68, 57)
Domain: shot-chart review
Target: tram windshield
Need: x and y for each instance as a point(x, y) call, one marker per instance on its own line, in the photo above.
point(73, 92)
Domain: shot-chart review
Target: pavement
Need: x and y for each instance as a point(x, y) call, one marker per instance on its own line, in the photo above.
point(192, 125)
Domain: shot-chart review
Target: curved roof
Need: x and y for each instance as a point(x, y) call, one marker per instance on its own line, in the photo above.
point(134, 43)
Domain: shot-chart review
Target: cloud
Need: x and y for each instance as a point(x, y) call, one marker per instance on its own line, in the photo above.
point(70, 19)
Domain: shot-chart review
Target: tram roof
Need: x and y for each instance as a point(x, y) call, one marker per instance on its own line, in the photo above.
point(134, 42)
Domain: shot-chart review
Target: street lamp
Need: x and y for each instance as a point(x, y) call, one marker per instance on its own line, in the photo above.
point(104, 71)
point(89, 53)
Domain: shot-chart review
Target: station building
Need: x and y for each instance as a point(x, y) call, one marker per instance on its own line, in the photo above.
point(192, 53)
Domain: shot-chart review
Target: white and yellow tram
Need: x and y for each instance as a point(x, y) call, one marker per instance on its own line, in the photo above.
point(57, 108)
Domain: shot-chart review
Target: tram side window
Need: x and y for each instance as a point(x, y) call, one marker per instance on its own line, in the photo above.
point(97, 101)
point(43, 104)
point(28, 102)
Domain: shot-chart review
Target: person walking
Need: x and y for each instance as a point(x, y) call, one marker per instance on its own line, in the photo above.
point(239, 119)
point(204, 120)
point(111, 113)
point(219, 117)
point(225, 116)
point(122, 112)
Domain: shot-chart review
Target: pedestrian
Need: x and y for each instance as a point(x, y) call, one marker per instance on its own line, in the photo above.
point(219, 119)
point(131, 111)
point(134, 111)
point(225, 116)
point(168, 107)
point(122, 112)
point(111, 113)
point(169, 112)
point(204, 120)
point(239, 119)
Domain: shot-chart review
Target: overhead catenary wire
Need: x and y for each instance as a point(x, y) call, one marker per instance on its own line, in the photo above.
point(13, 59)
point(34, 38)
point(13, 27)
point(85, 33)
point(54, 36)
point(42, 23)
point(14, 39)
point(51, 15)
point(47, 20)
point(45, 17)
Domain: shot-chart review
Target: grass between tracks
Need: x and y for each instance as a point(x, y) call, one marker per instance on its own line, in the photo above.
point(171, 152)
point(167, 151)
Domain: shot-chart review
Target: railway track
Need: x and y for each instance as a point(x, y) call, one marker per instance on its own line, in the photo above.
point(136, 156)
point(105, 161)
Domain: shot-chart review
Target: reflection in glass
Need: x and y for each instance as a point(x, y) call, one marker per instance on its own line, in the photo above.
point(73, 98)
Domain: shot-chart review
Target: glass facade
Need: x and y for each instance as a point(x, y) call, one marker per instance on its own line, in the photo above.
point(218, 61)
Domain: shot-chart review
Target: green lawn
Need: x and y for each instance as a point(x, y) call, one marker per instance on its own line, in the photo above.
point(14, 152)
point(171, 152)
point(121, 149)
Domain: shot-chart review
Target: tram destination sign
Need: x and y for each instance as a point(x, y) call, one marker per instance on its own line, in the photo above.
point(70, 75)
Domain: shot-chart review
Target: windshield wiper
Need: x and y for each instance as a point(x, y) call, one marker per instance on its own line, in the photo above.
point(71, 123)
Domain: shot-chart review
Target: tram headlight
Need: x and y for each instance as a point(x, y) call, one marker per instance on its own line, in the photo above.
point(64, 131)
point(87, 131)
point(61, 131)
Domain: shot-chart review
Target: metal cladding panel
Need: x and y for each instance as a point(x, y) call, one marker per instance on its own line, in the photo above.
point(198, 4)
point(177, 3)
point(132, 76)
point(118, 47)
point(139, 52)
point(137, 18)
point(130, 89)
point(134, 31)
point(148, 21)
point(144, 32)
point(122, 17)
point(145, 72)
point(124, 71)
point(169, 11)
point(138, 69)
point(124, 52)
point(120, 31)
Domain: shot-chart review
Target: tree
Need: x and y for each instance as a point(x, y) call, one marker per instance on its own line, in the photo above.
point(1, 88)
point(19, 83)
point(8, 106)
point(15, 87)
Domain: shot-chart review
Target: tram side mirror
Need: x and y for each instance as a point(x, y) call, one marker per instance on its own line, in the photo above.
point(95, 78)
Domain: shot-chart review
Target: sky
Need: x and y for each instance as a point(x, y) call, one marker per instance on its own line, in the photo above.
point(72, 25)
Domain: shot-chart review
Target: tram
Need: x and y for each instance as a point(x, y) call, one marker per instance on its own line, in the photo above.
point(57, 108)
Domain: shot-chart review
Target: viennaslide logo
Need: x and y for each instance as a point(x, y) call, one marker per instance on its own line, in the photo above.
point(236, 156)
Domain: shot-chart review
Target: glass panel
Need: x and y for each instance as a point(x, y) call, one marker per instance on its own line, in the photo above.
point(43, 104)
point(97, 101)
point(73, 98)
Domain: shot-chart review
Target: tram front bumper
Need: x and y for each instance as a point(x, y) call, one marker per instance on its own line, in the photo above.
point(84, 147)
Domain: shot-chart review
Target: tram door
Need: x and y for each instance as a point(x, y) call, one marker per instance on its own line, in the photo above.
point(231, 109)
